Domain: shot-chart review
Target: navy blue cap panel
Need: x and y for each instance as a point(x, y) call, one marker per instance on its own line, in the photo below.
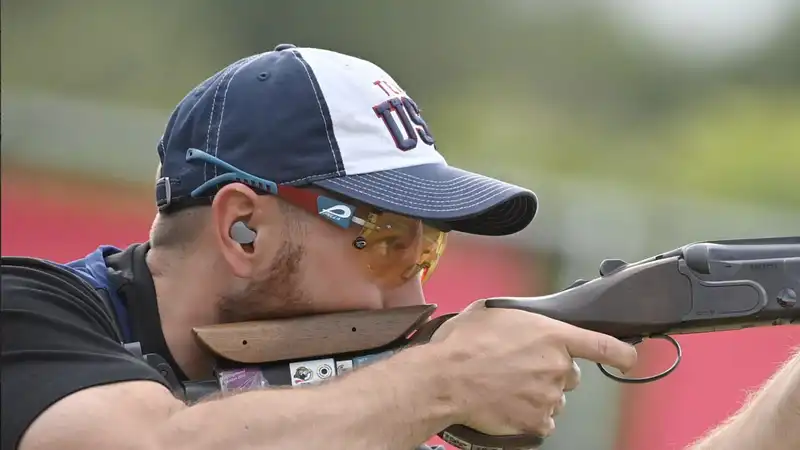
point(465, 201)
point(193, 113)
point(264, 114)
point(275, 123)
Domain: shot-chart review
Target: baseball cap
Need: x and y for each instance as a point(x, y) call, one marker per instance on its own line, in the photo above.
point(315, 117)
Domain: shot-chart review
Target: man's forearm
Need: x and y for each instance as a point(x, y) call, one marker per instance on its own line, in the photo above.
point(395, 404)
point(770, 420)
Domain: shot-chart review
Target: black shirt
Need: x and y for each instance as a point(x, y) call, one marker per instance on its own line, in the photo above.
point(60, 335)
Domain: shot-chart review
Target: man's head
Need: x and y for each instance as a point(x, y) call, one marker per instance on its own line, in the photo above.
point(305, 180)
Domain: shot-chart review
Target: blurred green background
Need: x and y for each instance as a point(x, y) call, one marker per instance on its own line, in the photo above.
point(589, 89)
point(642, 125)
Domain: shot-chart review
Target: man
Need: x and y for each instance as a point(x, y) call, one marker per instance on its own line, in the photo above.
point(292, 182)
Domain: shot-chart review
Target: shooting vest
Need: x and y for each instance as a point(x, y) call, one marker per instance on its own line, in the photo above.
point(94, 270)
point(119, 278)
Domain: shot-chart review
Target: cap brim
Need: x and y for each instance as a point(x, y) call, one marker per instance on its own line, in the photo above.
point(464, 201)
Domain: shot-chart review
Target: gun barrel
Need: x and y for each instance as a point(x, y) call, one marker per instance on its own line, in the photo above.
point(737, 286)
point(701, 256)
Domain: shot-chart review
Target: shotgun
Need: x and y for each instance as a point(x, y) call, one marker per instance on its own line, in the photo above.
point(697, 288)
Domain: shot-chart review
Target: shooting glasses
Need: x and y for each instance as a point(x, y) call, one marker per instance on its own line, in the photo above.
point(394, 248)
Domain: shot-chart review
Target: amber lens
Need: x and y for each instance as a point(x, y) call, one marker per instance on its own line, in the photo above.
point(434, 243)
point(399, 248)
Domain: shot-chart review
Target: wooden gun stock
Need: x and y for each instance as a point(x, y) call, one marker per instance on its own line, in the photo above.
point(265, 341)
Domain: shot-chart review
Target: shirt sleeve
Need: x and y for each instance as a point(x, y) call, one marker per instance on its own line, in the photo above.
point(57, 339)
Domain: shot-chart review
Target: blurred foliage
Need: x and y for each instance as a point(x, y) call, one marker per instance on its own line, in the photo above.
point(544, 88)
point(743, 145)
point(737, 145)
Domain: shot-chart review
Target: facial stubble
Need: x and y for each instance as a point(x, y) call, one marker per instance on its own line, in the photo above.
point(275, 295)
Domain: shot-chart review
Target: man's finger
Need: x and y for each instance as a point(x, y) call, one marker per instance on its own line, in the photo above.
point(600, 348)
point(559, 407)
point(573, 379)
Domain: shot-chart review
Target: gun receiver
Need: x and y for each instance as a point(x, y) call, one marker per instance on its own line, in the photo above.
point(700, 287)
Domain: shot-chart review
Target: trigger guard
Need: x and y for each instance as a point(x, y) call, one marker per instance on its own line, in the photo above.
point(659, 376)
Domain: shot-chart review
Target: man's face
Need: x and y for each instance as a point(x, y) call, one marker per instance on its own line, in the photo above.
point(304, 264)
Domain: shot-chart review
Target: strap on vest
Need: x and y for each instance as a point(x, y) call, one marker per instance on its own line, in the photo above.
point(130, 276)
point(95, 264)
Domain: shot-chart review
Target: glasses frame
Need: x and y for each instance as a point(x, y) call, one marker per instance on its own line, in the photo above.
point(300, 197)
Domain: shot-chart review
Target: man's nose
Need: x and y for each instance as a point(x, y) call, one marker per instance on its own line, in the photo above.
point(407, 294)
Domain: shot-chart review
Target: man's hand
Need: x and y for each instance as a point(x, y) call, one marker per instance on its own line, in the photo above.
point(510, 369)
point(498, 371)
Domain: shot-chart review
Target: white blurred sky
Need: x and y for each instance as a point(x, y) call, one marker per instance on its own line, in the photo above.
point(704, 28)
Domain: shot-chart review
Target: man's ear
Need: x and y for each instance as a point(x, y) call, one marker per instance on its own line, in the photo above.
point(234, 213)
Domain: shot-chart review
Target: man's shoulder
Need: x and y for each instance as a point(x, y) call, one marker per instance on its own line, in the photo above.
point(39, 276)
point(59, 338)
point(39, 284)
point(87, 273)
point(28, 275)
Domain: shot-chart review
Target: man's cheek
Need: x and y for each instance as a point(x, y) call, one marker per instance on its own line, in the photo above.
point(407, 294)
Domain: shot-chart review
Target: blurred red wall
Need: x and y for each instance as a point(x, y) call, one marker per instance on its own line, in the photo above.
point(710, 384)
point(63, 218)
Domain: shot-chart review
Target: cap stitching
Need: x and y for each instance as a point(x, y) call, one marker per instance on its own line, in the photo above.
point(468, 176)
point(311, 177)
point(211, 114)
point(460, 184)
point(421, 197)
point(423, 204)
point(321, 113)
point(457, 187)
point(162, 149)
point(246, 62)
